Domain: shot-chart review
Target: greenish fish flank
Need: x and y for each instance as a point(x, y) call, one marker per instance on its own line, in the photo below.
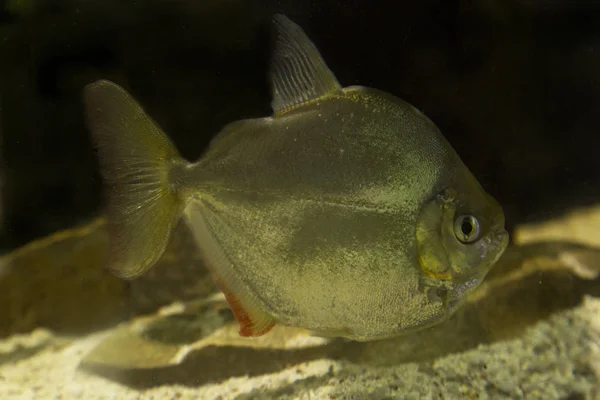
point(346, 212)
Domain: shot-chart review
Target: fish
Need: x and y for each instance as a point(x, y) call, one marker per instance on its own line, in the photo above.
point(346, 212)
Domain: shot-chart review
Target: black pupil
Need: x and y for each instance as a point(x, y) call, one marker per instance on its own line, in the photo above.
point(466, 227)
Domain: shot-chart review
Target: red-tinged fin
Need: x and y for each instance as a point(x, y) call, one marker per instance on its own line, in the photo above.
point(254, 323)
point(254, 320)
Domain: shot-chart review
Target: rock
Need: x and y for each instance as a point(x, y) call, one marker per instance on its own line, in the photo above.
point(60, 282)
point(578, 226)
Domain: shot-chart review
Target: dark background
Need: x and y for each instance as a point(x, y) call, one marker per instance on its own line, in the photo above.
point(513, 84)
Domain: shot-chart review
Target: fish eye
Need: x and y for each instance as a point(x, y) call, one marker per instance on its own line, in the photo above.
point(466, 228)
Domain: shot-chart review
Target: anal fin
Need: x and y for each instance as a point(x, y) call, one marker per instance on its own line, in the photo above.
point(253, 320)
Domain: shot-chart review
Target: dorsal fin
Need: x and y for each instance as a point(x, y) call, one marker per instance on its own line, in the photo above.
point(298, 72)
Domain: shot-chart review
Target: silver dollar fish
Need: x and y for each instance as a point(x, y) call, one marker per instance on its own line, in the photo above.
point(346, 212)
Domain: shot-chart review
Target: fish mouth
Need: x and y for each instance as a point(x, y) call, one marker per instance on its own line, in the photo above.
point(457, 293)
point(493, 247)
point(497, 245)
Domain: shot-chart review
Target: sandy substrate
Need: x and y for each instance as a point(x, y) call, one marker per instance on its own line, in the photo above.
point(531, 331)
point(555, 359)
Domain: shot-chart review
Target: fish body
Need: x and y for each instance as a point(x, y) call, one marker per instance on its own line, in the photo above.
point(345, 212)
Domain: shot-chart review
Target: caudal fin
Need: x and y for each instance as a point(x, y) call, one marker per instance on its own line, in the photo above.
point(135, 158)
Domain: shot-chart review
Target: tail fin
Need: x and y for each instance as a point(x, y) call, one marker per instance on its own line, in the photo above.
point(135, 159)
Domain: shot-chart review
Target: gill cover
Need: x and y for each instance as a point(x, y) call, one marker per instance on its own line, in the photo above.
point(431, 252)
